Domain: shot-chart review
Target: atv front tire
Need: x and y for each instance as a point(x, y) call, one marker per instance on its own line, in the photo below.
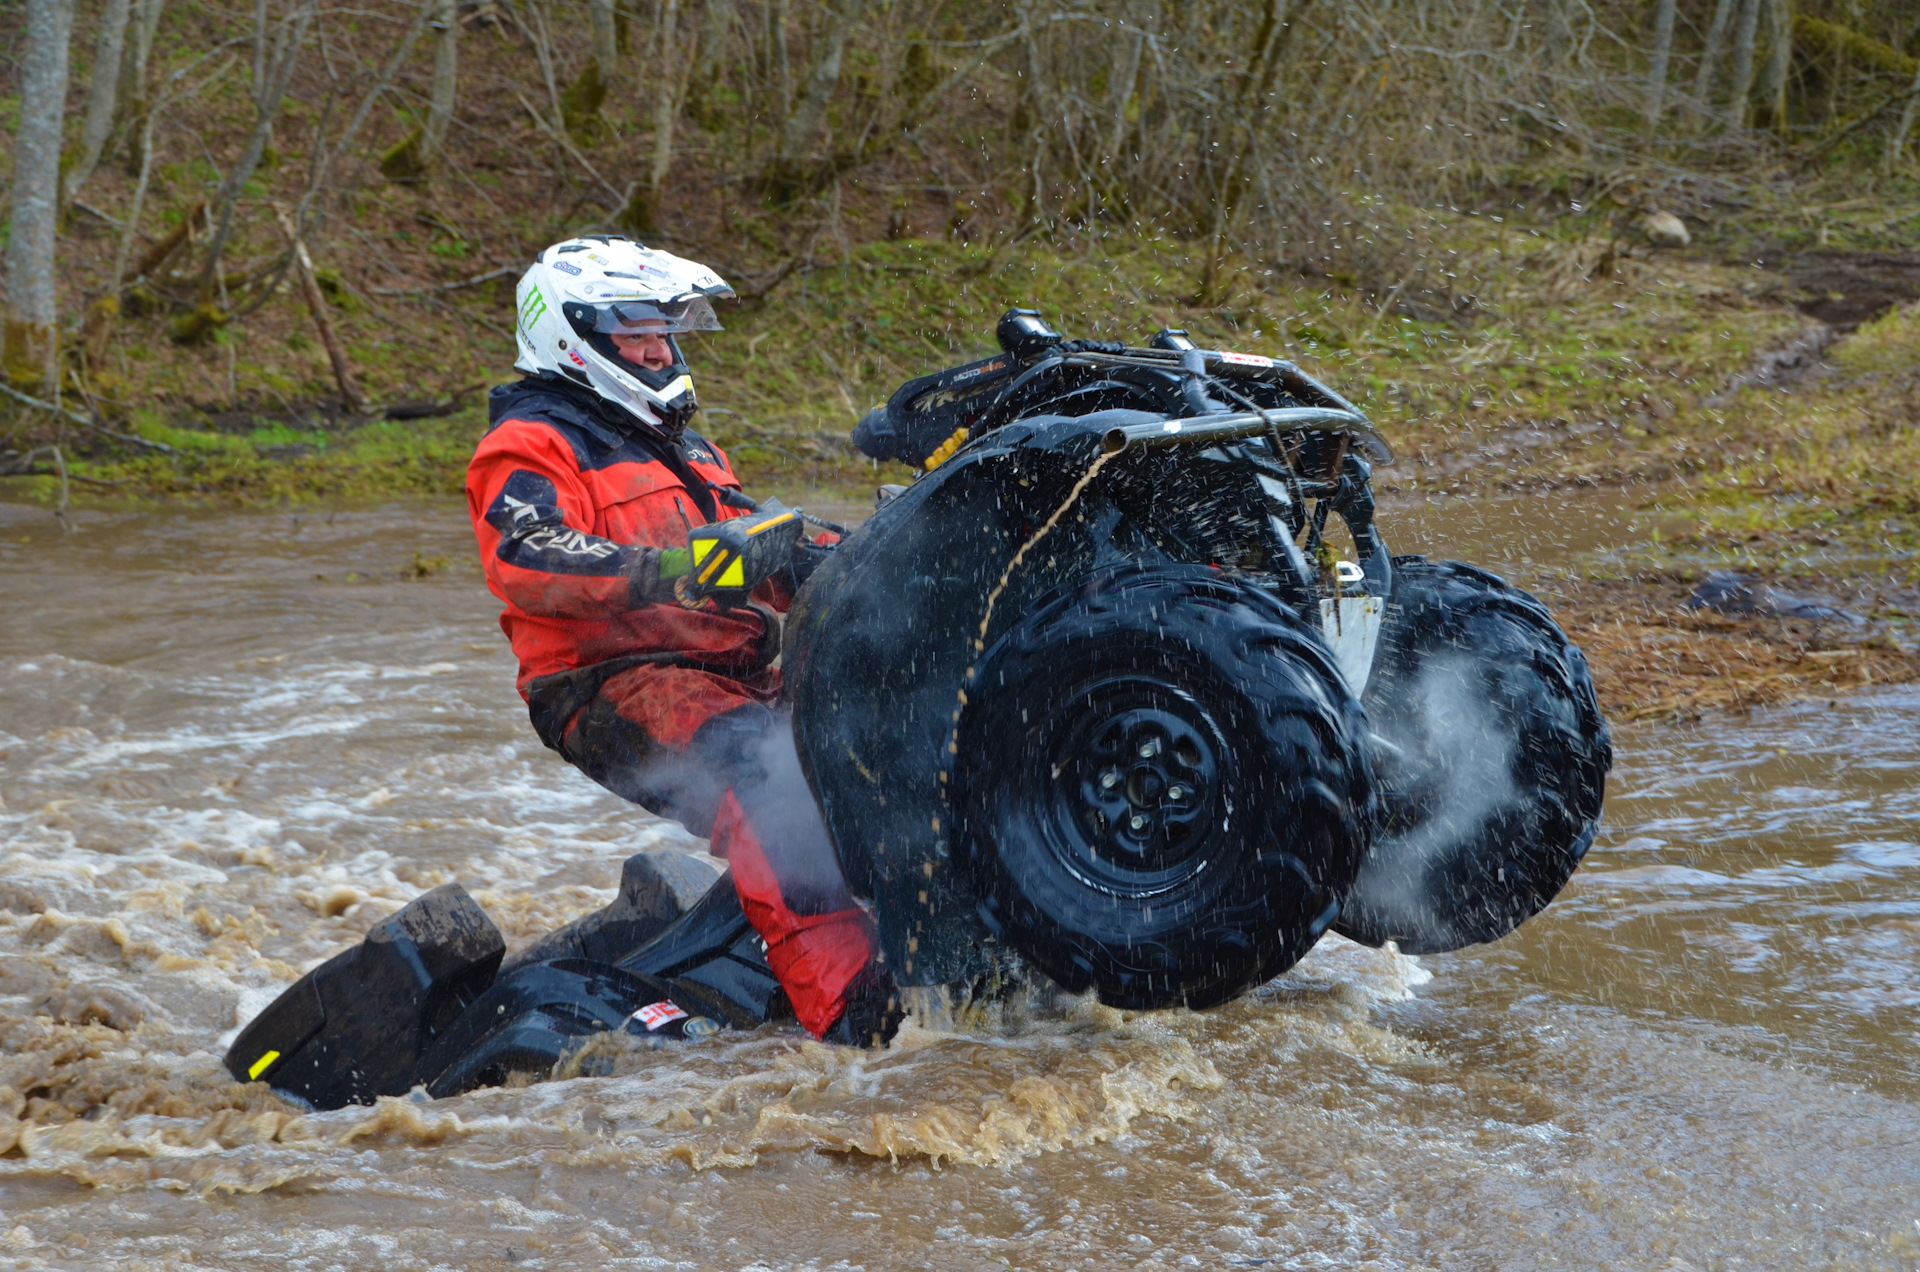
point(1160, 786)
point(1494, 767)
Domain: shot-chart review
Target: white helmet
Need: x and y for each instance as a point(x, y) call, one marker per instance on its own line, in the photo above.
point(580, 293)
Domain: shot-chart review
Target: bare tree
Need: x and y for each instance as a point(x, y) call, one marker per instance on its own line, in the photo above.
point(446, 75)
point(788, 171)
point(278, 61)
point(1742, 86)
point(142, 26)
point(1896, 147)
point(606, 48)
point(779, 61)
point(103, 90)
point(665, 94)
point(1129, 44)
point(30, 344)
point(1657, 65)
point(1773, 79)
point(1712, 49)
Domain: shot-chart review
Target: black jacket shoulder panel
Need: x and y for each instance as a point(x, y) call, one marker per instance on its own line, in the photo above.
point(595, 445)
point(597, 441)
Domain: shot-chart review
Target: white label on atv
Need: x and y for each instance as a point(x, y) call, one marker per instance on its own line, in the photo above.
point(1352, 626)
point(1245, 359)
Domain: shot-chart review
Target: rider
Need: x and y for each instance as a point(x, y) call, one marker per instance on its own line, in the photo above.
point(589, 495)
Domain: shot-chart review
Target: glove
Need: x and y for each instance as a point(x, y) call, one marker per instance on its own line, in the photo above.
point(728, 559)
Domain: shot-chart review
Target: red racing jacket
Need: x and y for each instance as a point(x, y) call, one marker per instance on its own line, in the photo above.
point(571, 510)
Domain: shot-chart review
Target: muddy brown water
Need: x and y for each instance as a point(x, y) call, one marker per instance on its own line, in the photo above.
point(231, 742)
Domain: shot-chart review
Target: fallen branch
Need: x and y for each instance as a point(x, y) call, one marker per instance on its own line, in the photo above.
point(35, 402)
point(475, 281)
point(317, 304)
point(83, 421)
point(160, 252)
point(559, 137)
point(761, 290)
point(54, 472)
point(429, 410)
point(94, 212)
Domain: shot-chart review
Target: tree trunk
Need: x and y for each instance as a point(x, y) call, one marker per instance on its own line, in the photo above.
point(664, 104)
point(29, 344)
point(446, 83)
point(1128, 46)
point(1657, 65)
point(260, 16)
point(103, 93)
point(142, 26)
point(131, 230)
point(716, 24)
point(1712, 48)
point(796, 139)
point(605, 42)
point(1773, 80)
point(285, 52)
point(779, 64)
point(1896, 148)
point(1742, 85)
point(717, 21)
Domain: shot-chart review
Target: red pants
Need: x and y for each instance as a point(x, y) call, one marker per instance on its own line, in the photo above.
point(708, 752)
point(816, 942)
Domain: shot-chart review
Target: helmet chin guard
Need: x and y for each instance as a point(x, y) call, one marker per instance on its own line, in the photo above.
point(582, 292)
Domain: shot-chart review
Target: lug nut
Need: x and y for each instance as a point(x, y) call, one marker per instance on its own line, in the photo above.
point(1137, 822)
point(1109, 780)
point(1149, 748)
point(1176, 792)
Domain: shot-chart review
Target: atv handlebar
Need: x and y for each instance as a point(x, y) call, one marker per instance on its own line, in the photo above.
point(1211, 430)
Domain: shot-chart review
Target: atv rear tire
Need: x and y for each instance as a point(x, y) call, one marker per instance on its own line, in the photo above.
point(1496, 763)
point(1160, 787)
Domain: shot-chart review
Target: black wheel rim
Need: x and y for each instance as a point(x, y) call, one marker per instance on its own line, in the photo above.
point(1137, 785)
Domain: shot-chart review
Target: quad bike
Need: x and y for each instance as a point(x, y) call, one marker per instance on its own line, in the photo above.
point(1094, 694)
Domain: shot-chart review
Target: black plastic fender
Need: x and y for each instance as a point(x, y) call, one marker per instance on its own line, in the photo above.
point(534, 1015)
point(355, 1027)
point(879, 641)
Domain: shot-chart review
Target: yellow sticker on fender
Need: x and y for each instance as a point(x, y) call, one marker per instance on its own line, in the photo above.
point(735, 575)
point(261, 1065)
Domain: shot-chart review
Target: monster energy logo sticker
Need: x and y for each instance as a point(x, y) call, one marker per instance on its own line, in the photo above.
point(531, 310)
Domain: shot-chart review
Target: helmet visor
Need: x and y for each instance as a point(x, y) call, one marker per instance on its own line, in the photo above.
point(656, 317)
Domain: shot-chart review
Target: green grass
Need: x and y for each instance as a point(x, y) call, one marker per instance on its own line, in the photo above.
point(274, 463)
point(1610, 357)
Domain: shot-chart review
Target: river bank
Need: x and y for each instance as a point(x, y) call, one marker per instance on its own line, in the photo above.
point(1755, 401)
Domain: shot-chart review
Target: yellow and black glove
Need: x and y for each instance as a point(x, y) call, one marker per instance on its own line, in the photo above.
point(728, 559)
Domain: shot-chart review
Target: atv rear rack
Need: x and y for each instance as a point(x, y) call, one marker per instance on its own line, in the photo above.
point(1214, 430)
